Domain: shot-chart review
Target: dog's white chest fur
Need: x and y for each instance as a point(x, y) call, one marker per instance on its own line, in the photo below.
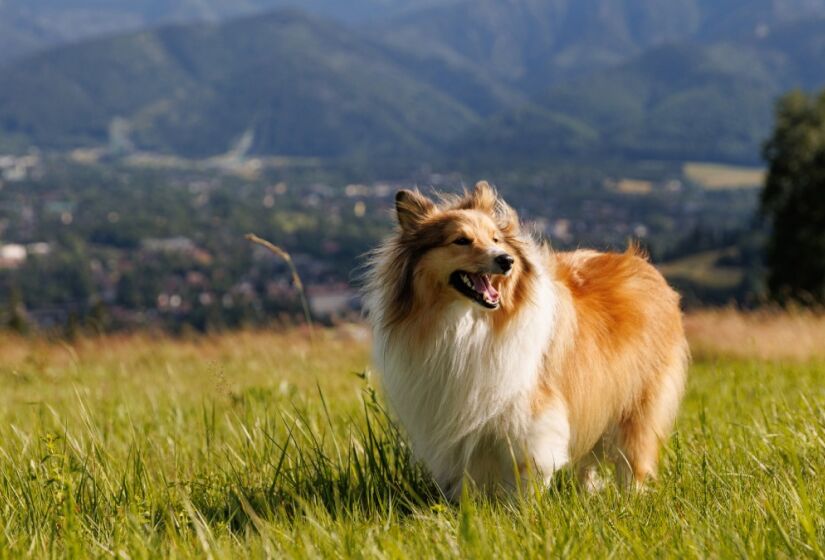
point(465, 386)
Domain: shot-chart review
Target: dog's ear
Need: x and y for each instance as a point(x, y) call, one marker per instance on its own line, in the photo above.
point(483, 197)
point(507, 219)
point(411, 209)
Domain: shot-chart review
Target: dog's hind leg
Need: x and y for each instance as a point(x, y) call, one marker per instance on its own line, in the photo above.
point(587, 469)
point(642, 432)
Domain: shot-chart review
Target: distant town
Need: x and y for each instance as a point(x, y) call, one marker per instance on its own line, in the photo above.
point(119, 245)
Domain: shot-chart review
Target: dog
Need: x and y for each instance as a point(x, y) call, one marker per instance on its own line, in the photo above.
point(506, 361)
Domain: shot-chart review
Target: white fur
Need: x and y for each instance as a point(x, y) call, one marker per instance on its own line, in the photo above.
point(548, 440)
point(463, 393)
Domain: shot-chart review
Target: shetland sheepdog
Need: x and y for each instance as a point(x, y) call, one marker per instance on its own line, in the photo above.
point(504, 360)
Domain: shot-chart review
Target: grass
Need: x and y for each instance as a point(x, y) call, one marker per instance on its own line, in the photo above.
point(262, 445)
point(703, 269)
point(634, 186)
point(713, 176)
point(764, 334)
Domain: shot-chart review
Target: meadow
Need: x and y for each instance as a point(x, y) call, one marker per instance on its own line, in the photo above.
point(264, 444)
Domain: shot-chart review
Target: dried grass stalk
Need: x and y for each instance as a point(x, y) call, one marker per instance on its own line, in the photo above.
point(296, 278)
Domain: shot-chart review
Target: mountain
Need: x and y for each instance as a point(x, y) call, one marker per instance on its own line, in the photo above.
point(27, 26)
point(517, 80)
point(672, 102)
point(288, 83)
point(533, 44)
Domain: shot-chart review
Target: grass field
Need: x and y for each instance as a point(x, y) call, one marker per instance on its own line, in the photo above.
point(258, 444)
point(714, 176)
point(703, 268)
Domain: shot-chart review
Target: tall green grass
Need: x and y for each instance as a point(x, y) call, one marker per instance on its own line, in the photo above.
point(265, 447)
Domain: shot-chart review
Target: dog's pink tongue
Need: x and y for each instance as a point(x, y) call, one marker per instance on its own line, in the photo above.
point(482, 284)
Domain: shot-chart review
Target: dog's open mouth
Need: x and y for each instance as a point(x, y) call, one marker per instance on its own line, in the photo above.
point(477, 287)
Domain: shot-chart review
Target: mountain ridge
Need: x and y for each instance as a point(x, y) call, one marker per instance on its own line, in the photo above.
point(299, 85)
point(194, 89)
point(672, 102)
point(30, 26)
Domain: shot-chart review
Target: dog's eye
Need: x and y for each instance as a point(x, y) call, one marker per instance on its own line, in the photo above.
point(495, 240)
point(463, 241)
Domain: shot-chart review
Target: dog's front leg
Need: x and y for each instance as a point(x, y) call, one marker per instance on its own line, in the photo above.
point(547, 443)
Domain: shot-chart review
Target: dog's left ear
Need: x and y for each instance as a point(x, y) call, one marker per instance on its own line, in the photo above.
point(506, 219)
point(485, 198)
point(482, 198)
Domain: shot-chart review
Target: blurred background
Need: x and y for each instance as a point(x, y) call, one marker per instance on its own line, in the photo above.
point(140, 140)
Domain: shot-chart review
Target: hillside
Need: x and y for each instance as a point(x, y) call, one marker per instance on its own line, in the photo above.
point(293, 84)
point(508, 81)
point(534, 44)
point(684, 101)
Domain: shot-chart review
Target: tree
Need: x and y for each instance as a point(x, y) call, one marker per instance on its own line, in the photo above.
point(794, 200)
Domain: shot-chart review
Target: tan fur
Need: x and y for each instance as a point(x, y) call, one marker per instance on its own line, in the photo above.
point(617, 355)
point(620, 355)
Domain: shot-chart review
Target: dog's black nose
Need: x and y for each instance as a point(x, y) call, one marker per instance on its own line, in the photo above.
point(505, 262)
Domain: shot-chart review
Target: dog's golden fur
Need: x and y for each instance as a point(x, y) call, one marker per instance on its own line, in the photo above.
point(582, 357)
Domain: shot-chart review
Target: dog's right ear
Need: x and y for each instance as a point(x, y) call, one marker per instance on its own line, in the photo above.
point(412, 208)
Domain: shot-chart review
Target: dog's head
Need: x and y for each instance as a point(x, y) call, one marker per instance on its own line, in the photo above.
point(465, 248)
